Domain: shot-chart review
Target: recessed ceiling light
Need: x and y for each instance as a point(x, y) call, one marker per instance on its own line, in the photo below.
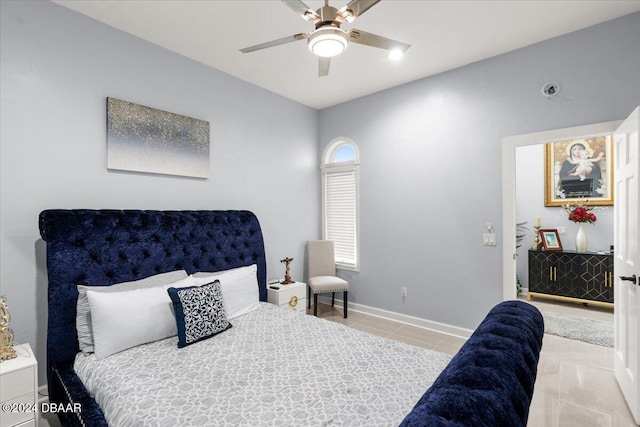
point(396, 54)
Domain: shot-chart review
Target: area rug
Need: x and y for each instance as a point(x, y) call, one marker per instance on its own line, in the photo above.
point(599, 332)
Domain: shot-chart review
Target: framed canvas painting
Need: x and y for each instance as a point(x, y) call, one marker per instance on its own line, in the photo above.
point(144, 139)
point(579, 169)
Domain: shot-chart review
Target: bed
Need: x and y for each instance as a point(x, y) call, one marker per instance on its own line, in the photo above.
point(272, 367)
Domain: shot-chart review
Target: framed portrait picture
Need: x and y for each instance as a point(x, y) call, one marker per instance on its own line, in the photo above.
point(579, 169)
point(550, 240)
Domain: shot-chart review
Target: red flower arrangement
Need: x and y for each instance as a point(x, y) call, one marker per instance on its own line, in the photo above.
point(580, 212)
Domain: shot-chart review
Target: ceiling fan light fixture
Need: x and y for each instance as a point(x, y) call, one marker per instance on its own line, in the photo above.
point(328, 42)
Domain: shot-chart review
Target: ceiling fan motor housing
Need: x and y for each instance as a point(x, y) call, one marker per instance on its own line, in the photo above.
point(328, 39)
point(328, 16)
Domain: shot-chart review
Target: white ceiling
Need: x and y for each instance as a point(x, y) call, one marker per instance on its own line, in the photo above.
point(443, 35)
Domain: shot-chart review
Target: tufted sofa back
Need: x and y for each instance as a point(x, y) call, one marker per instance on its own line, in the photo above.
point(490, 381)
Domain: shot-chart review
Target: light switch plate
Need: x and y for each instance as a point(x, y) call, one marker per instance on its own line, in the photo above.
point(489, 239)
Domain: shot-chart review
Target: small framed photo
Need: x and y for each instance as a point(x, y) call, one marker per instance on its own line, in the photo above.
point(550, 240)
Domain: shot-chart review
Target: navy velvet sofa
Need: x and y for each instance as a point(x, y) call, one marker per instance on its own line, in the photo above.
point(489, 383)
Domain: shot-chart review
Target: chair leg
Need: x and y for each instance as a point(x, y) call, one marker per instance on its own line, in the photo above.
point(333, 298)
point(345, 303)
point(308, 296)
point(315, 305)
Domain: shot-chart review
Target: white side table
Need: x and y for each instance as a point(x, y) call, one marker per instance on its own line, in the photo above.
point(19, 389)
point(293, 296)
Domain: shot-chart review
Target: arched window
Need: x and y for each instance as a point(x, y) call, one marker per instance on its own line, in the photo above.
point(340, 201)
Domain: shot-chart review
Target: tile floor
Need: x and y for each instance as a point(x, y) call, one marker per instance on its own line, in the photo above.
point(575, 386)
point(408, 334)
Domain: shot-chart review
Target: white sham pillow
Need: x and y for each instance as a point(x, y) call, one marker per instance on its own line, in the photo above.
point(121, 320)
point(239, 288)
point(83, 312)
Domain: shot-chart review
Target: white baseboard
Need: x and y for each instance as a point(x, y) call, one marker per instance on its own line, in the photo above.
point(402, 318)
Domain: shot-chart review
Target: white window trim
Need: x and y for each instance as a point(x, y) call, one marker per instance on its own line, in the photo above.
point(347, 166)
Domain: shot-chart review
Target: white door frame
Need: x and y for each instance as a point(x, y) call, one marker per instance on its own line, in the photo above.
point(509, 145)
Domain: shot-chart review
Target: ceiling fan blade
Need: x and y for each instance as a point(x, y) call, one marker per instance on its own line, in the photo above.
point(355, 8)
point(362, 37)
point(272, 43)
point(299, 7)
point(323, 69)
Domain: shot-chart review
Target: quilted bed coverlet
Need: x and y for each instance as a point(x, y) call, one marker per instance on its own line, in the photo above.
point(273, 367)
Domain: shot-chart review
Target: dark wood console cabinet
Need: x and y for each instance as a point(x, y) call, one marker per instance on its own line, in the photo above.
point(571, 276)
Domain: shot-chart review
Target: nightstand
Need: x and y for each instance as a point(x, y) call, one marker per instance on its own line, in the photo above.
point(293, 296)
point(19, 389)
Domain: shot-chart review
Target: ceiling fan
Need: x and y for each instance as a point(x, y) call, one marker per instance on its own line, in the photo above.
point(328, 39)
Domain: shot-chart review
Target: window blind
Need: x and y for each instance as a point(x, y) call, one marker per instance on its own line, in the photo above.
point(340, 213)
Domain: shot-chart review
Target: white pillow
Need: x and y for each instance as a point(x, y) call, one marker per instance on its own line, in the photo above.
point(83, 313)
point(121, 320)
point(239, 289)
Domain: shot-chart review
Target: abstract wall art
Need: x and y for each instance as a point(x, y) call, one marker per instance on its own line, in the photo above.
point(144, 139)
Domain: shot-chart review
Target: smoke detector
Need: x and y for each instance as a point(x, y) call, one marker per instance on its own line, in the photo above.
point(550, 89)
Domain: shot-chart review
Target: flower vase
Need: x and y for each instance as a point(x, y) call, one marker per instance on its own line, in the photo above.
point(581, 239)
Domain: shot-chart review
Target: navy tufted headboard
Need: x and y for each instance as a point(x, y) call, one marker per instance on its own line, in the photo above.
point(103, 247)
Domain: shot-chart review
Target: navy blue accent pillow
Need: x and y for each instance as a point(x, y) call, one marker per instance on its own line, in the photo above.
point(199, 312)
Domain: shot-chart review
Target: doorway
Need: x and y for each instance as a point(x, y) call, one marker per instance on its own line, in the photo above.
point(509, 146)
point(573, 376)
point(531, 186)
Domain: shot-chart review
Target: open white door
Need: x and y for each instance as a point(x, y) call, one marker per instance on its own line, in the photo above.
point(627, 261)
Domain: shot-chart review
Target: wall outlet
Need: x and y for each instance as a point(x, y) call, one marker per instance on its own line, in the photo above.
point(403, 292)
point(562, 230)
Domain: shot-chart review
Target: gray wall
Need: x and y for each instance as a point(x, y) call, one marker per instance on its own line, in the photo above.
point(57, 69)
point(430, 173)
point(530, 203)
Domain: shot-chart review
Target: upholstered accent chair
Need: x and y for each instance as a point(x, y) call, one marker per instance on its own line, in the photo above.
point(321, 264)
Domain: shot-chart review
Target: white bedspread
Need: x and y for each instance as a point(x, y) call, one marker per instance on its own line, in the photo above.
point(274, 367)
